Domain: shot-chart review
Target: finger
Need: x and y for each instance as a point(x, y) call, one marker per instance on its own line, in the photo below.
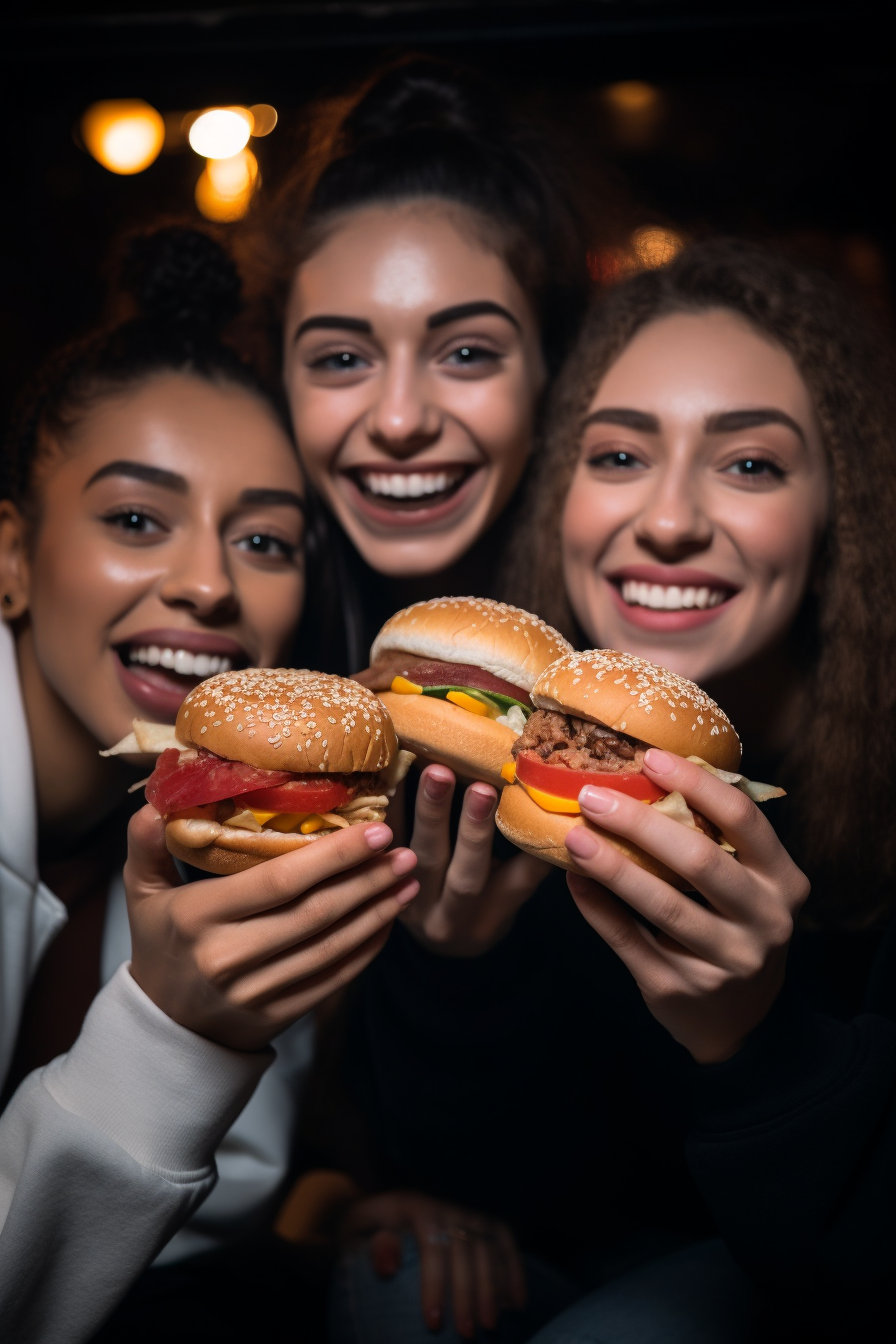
point(633, 944)
point(431, 839)
point(513, 884)
point(280, 880)
point(736, 815)
point(471, 864)
point(514, 1272)
point(259, 979)
point(433, 1272)
point(486, 1281)
point(149, 868)
point(462, 1284)
point(385, 1252)
point(727, 885)
point(299, 998)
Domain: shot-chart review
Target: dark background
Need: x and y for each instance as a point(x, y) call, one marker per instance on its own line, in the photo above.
point(775, 120)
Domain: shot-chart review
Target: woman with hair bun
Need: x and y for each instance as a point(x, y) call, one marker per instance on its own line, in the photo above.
point(151, 532)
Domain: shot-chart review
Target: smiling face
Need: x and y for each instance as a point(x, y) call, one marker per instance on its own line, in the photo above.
point(413, 370)
point(168, 546)
point(699, 498)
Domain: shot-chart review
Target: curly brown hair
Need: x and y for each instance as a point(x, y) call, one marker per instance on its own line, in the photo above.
point(841, 767)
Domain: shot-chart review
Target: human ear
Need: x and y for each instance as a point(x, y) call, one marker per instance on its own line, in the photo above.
point(15, 571)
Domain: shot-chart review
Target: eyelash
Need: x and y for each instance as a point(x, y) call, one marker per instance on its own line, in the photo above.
point(322, 363)
point(120, 517)
point(769, 467)
point(604, 459)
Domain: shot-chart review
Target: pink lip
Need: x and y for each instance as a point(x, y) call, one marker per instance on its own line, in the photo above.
point(154, 691)
point(410, 518)
point(669, 622)
point(148, 689)
point(194, 641)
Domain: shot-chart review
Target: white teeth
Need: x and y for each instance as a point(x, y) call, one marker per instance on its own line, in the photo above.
point(183, 662)
point(399, 485)
point(672, 598)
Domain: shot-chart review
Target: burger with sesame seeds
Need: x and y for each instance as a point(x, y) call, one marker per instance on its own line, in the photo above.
point(266, 760)
point(455, 674)
point(598, 713)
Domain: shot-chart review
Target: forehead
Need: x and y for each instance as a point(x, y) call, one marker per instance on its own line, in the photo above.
point(206, 432)
point(699, 363)
point(415, 257)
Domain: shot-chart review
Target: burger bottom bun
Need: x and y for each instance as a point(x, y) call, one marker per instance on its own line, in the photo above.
point(469, 744)
point(543, 835)
point(226, 849)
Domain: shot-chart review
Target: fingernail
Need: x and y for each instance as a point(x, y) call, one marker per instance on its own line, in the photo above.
point(582, 842)
point(434, 1318)
point(403, 861)
point(597, 800)
point(660, 762)
point(436, 788)
point(377, 835)
point(406, 894)
point(480, 804)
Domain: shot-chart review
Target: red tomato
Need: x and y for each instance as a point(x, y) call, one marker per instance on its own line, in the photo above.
point(566, 783)
point(176, 784)
point(303, 793)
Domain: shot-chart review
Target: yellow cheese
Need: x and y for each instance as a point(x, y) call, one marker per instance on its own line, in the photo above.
point(551, 802)
point(508, 771)
point(261, 817)
point(401, 686)
point(312, 824)
point(283, 821)
point(464, 701)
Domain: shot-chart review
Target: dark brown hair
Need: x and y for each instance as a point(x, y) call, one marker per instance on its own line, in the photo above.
point(841, 768)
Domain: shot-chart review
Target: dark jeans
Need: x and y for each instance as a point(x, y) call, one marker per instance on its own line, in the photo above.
point(243, 1293)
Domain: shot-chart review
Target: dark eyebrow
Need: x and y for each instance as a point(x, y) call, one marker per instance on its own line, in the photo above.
point(475, 309)
point(729, 422)
point(264, 496)
point(622, 415)
point(139, 471)
point(332, 322)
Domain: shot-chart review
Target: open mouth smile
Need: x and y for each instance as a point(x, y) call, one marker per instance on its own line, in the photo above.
point(650, 600)
point(159, 668)
point(659, 597)
point(406, 491)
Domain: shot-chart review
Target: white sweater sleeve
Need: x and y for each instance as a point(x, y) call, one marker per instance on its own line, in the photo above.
point(103, 1155)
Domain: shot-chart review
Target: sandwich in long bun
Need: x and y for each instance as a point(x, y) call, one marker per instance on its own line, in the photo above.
point(597, 714)
point(264, 761)
point(456, 673)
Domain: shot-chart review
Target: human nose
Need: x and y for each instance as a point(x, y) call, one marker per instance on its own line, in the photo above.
point(200, 580)
point(403, 419)
point(674, 522)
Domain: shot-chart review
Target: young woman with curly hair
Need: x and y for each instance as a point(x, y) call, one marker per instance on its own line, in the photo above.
point(716, 495)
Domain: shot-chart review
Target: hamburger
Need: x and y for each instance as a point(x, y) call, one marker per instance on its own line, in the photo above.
point(264, 761)
point(456, 673)
point(597, 714)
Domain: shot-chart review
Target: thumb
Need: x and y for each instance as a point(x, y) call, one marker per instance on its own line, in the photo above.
point(149, 868)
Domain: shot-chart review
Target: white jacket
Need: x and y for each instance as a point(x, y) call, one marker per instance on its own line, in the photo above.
point(145, 1141)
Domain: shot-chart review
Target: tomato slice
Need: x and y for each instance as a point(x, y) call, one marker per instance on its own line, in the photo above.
point(565, 783)
point(176, 784)
point(308, 793)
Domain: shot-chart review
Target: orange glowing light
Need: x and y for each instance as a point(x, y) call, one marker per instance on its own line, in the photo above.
point(264, 117)
point(654, 247)
point(631, 95)
point(226, 186)
point(221, 132)
point(125, 135)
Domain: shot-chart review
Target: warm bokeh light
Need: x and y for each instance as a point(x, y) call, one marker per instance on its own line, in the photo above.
point(631, 95)
point(225, 188)
point(125, 136)
point(654, 247)
point(221, 132)
point(265, 118)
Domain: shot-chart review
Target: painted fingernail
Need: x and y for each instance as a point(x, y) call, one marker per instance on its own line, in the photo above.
point(377, 835)
point(596, 800)
point(581, 842)
point(406, 894)
point(403, 861)
point(436, 788)
point(660, 762)
point(434, 1318)
point(480, 803)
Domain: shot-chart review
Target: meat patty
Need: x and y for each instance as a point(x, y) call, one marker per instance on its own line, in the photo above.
point(562, 739)
point(432, 672)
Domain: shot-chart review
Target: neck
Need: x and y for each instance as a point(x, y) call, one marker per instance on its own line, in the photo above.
point(764, 700)
point(76, 789)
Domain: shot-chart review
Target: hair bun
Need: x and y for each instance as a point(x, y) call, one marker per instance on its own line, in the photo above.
point(181, 275)
point(416, 95)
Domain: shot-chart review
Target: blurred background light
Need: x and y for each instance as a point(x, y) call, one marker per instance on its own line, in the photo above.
point(221, 132)
point(654, 247)
point(636, 111)
point(631, 95)
point(226, 186)
point(265, 118)
point(125, 135)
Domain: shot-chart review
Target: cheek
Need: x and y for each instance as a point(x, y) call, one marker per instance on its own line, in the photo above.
point(777, 538)
point(321, 418)
point(591, 516)
point(272, 606)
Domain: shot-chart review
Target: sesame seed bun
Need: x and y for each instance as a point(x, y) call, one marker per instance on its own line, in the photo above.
point(471, 745)
point(543, 834)
point(506, 641)
point(642, 700)
point(288, 719)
